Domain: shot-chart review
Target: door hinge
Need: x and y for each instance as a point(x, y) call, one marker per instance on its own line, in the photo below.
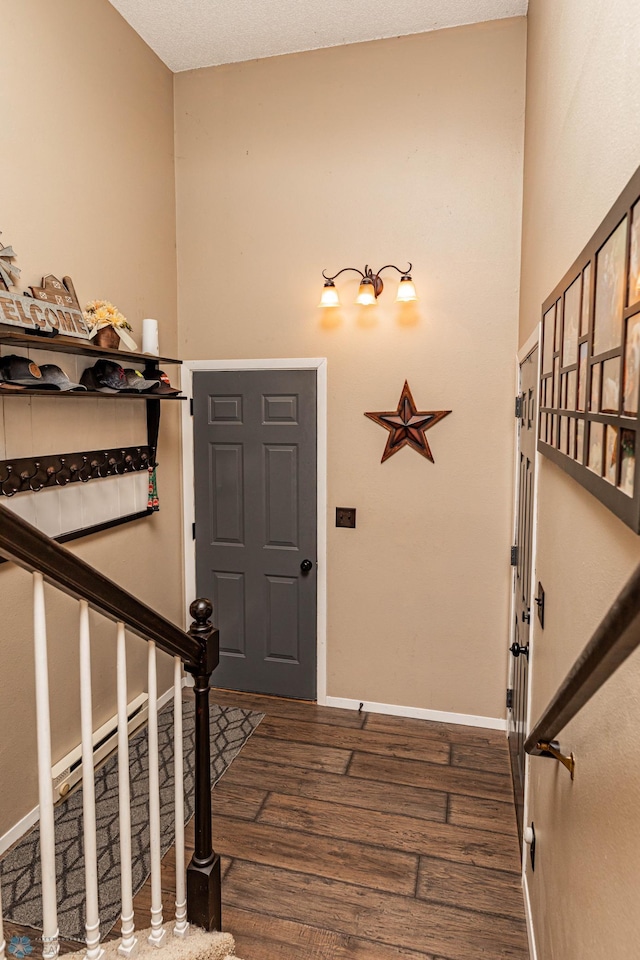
point(191, 406)
point(193, 530)
point(514, 556)
point(518, 412)
point(509, 699)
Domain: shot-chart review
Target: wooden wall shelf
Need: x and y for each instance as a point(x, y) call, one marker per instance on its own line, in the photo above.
point(84, 394)
point(9, 336)
point(31, 474)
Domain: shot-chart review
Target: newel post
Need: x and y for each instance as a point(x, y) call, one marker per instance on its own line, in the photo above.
point(203, 873)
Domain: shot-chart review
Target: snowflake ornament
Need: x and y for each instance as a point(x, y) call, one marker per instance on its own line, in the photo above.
point(9, 273)
point(20, 947)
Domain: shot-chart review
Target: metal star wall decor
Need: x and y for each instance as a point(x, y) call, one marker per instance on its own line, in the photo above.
point(407, 425)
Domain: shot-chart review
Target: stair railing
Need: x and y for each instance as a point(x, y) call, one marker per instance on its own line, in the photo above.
point(198, 888)
point(614, 640)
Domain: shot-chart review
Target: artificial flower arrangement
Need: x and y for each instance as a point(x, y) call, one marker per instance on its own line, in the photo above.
point(103, 316)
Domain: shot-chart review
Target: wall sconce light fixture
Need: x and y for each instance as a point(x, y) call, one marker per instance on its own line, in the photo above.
point(371, 286)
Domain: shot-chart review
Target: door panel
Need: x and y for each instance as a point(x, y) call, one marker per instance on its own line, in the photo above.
point(228, 605)
point(282, 624)
point(281, 496)
point(226, 493)
point(255, 492)
point(522, 582)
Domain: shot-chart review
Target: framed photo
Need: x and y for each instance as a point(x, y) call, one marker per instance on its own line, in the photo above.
point(610, 386)
point(571, 390)
point(582, 377)
point(571, 323)
point(610, 291)
point(628, 461)
point(634, 257)
point(580, 441)
point(611, 453)
point(596, 447)
point(586, 300)
point(631, 366)
point(594, 403)
point(548, 335)
point(572, 437)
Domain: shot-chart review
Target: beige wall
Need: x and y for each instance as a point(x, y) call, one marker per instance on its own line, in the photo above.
point(403, 149)
point(582, 137)
point(88, 191)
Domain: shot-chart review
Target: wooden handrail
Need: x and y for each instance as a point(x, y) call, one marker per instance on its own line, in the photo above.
point(198, 649)
point(27, 546)
point(614, 640)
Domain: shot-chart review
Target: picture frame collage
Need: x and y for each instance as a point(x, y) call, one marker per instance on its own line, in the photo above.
point(590, 363)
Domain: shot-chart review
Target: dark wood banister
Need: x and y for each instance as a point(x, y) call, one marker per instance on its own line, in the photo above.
point(614, 640)
point(198, 648)
point(30, 548)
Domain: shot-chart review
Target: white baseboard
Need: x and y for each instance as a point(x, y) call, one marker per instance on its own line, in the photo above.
point(533, 950)
point(30, 819)
point(19, 829)
point(419, 713)
point(165, 697)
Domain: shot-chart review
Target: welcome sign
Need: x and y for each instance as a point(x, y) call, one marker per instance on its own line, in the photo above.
point(40, 316)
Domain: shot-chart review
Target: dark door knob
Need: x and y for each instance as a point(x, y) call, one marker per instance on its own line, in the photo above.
point(516, 650)
point(306, 566)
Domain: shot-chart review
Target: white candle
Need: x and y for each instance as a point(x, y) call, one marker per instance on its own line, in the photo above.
point(150, 337)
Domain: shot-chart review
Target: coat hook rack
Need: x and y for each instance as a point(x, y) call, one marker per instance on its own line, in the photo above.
point(30, 474)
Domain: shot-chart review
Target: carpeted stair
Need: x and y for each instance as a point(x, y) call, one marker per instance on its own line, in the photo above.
point(20, 867)
point(198, 945)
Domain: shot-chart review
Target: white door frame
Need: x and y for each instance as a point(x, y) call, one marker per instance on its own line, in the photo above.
point(521, 356)
point(319, 364)
point(535, 340)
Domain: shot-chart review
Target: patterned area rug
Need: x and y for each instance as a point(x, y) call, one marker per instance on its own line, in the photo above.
point(20, 868)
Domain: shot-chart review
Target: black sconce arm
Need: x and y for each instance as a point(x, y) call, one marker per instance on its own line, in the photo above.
point(344, 269)
point(392, 266)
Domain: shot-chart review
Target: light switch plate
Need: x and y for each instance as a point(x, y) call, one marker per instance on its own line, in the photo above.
point(345, 517)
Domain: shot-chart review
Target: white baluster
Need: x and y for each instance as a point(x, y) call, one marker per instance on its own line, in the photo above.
point(2, 943)
point(181, 928)
point(158, 933)
point(92, 919)
point(129, 944)
point(50, 944)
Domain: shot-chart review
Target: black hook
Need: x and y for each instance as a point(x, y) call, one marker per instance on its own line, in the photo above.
point(84, 472)
point(63, 475)
point(102, 469)
point(36, 474)
point(11, 483)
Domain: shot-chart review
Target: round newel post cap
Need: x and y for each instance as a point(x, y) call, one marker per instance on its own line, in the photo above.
point(201, 610)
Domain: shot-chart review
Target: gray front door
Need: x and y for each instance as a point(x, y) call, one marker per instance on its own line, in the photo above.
point(255, 502)
point(522, 581)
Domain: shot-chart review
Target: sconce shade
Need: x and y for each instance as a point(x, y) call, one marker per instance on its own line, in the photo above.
point(329, 296)
point(406, 290)
point(366, 293)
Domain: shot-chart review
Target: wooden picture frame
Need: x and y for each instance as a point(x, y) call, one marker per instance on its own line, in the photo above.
point(590, 371)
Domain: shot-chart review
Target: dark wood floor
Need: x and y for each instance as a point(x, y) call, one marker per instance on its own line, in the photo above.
point(367, 837)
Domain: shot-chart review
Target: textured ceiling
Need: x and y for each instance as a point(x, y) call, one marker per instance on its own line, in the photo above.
point(187, 34)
